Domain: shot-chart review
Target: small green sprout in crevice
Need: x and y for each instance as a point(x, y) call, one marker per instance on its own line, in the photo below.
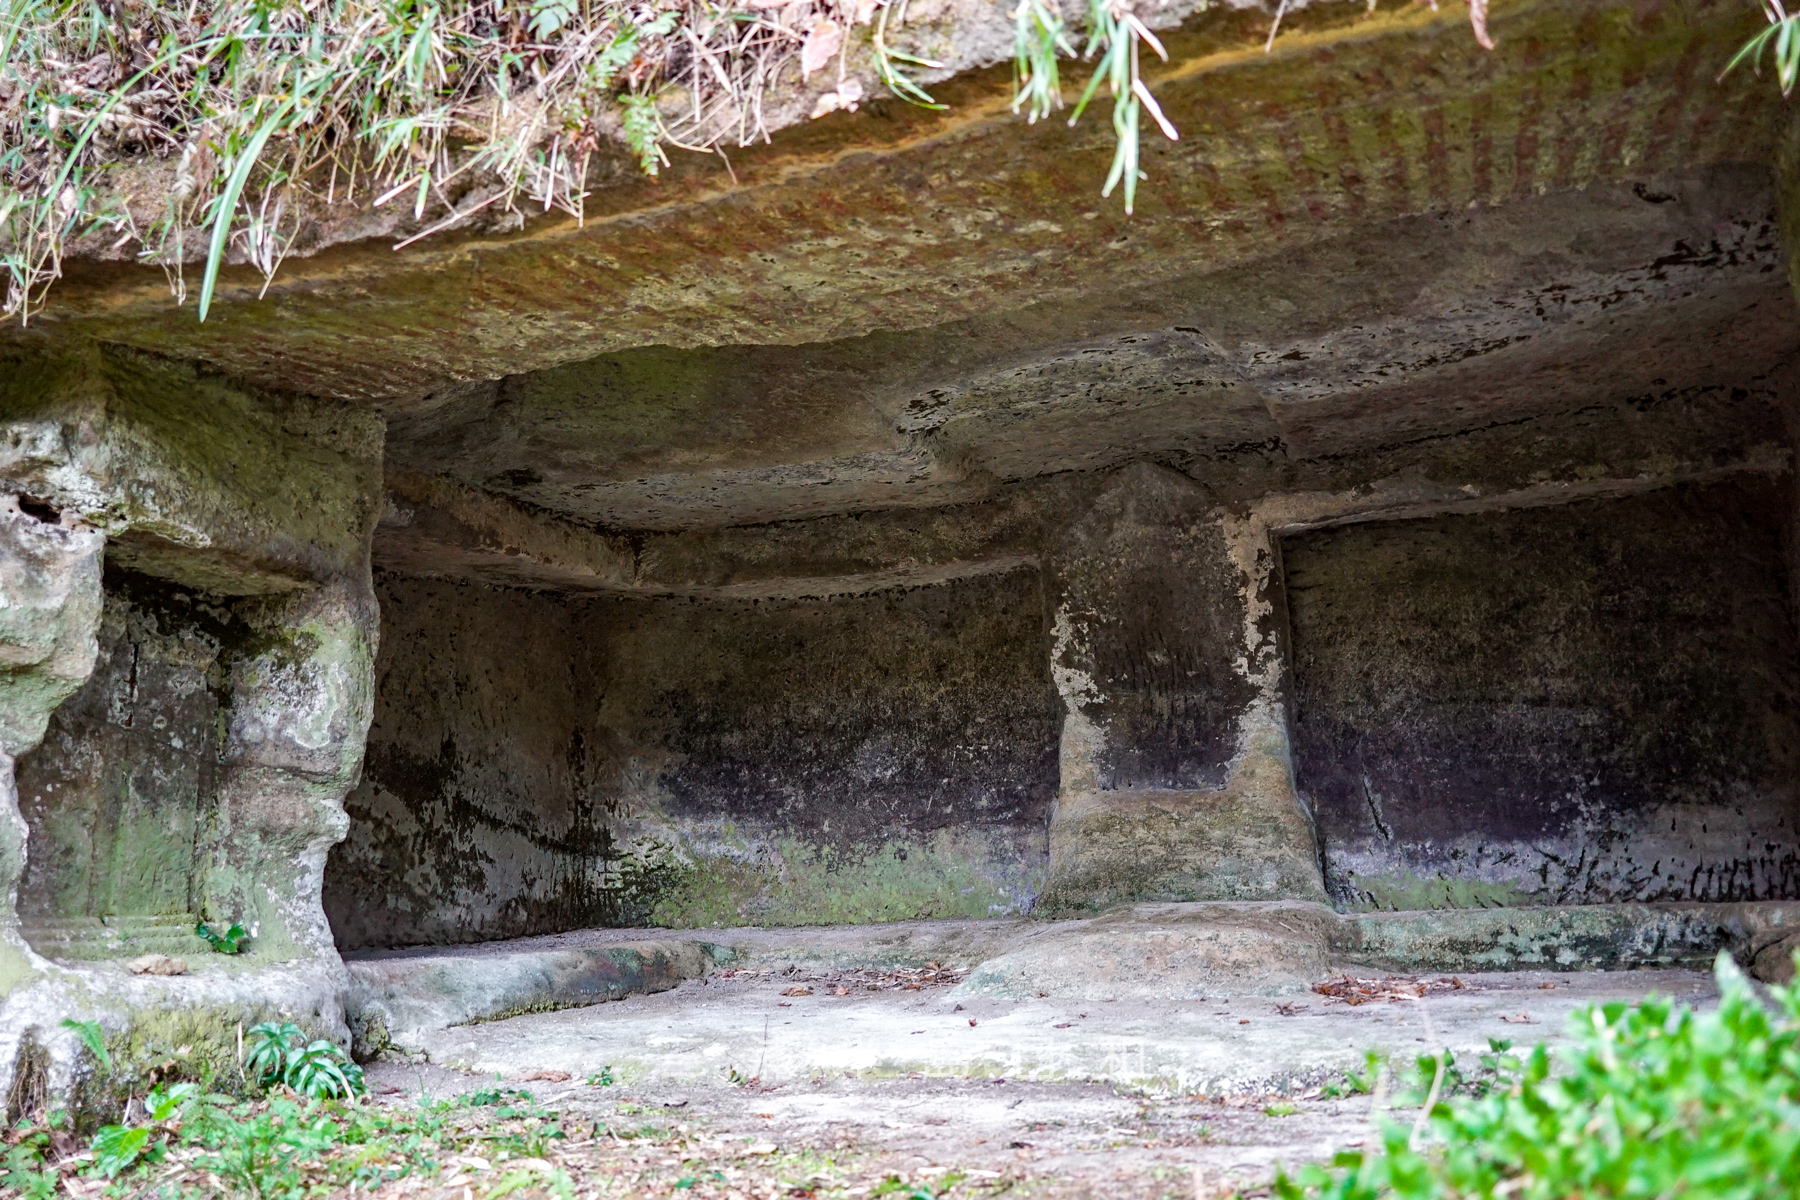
point(227, 941)
point(1358, 1082)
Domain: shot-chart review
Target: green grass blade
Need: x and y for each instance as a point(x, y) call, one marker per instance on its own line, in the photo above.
point(227, 202)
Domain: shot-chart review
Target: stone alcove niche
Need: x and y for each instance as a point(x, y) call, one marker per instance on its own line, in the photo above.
point(1571, 703)
point(541, 761)
point(1584, 704)
point(120, 797)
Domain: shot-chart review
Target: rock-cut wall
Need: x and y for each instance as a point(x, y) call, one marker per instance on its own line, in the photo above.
point(187, 634)
point(120, 797)
point(540, 761)
point(1586, 704)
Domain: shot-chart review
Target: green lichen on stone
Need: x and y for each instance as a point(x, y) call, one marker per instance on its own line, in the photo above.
point(1247, 841)
point(796, 883)
point(168, 1045)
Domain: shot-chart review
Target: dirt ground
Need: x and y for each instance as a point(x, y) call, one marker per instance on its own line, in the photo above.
point(845, 1083)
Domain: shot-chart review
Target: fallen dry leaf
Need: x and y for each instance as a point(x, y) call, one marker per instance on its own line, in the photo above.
point(1353, 991)
point(822, 43)
point(544, 1076)
point(1478, 15)
point(797, 990)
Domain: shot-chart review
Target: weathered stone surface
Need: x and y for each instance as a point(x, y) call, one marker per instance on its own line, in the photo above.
point(1606, 937)
point(543, 762)
point(1573, 705)
point(120, 795)
point(1775, 962)
point(864, 223)
point(203, 768)
point(49, 610)
point(897, 530)
point(1167, 952)
point(1175, 783)
point(1365, 342)
point(923, 1050)
point(396, 999)
point(50, 582)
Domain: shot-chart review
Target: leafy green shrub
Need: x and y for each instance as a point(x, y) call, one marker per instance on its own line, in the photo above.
point(1651, 1100)
point(22, 1165)
point(281, 1053)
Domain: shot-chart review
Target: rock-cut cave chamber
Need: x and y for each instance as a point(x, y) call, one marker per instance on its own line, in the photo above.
point(1149, 616)
point(1441, 558)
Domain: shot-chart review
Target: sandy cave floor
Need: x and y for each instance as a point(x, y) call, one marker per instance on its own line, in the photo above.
point(744, 1085)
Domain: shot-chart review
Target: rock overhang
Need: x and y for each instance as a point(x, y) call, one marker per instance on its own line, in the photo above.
point(1374, 235)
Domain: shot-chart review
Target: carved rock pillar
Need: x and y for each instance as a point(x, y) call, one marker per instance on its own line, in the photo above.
point(1176, 777)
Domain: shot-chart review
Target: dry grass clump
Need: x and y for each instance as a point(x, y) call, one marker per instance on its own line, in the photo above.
point(199, 130)
point(242, 120)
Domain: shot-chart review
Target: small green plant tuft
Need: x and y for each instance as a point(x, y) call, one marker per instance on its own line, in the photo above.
point(118, 1148)
point(601, 1078)
point(227, 941)
point(1358, 1082)
point(280, 1053)
point(500, 1096)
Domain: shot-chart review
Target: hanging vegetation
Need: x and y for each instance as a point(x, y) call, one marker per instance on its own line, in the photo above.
point(190, 132)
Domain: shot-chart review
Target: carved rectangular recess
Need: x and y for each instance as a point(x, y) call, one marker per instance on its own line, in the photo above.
point(1581, 704)
point(120, 797)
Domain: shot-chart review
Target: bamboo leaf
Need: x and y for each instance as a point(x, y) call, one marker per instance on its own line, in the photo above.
point(228, 198)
